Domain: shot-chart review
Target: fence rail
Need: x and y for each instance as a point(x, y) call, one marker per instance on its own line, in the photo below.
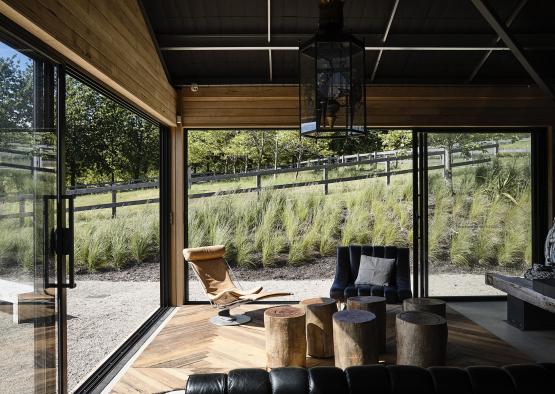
point(326, 182)
point(324, 165)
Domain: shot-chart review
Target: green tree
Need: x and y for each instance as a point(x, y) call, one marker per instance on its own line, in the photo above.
point(105, 141)
point(16, 94)
point(396, 140)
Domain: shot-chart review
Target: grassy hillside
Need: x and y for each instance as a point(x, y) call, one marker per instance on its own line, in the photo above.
point(486, 223)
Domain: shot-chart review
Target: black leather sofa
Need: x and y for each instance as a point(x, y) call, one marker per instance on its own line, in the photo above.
point(379, 379)
point(346, 272)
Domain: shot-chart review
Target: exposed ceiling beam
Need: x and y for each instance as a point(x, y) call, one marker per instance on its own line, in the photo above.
point(368, 48)
point(292, 80)
point(486, 56)
point(532, 41)
point(515, 48)
point(384, 39)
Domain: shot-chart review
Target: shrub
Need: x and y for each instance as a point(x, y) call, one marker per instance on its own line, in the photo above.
point(461, 248)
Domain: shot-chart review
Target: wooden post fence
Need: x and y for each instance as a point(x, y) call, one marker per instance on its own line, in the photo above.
point(21, 212)
point(114, 200)
point(258, 183)
point(387, 171)
point(325, 179)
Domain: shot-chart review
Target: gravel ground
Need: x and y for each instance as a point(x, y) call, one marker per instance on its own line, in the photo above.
point(102, 314)
point(440, 285)
point(16, 362)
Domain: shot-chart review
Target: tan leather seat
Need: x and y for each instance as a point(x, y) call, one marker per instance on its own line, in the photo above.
point(213, 273)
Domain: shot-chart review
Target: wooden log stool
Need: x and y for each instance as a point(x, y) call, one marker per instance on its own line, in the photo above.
point(319, 326)
point(377, 306)
point(354, 338)
point(431, 305)
point(421, 339)
point(285, 337)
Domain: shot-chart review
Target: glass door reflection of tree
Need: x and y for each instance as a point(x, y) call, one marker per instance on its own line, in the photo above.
point(28, 147)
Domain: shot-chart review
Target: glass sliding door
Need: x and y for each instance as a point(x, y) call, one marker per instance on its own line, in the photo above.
point(29, 207)
point(479, 210)
point(113, 160)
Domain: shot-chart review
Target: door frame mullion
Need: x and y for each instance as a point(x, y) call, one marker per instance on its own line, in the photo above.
point(61, 292)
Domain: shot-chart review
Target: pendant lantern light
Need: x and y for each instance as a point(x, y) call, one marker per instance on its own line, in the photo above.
point(332, 99)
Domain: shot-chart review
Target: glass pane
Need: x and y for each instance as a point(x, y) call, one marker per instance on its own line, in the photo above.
point(27, 176)
point(307, 89)
point(358, 101)
point(112, 161)
point(282, 204)
point(334, 82)
point(479, 210)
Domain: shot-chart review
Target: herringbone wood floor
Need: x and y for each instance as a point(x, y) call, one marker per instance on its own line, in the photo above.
point(189, 344)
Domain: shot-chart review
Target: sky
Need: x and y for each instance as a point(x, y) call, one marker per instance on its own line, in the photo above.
point(6, 52)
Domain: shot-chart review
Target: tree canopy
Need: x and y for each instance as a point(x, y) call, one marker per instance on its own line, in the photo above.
point(242, 150)
point(105, 141)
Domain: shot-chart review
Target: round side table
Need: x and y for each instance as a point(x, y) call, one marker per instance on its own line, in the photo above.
point(319, 326)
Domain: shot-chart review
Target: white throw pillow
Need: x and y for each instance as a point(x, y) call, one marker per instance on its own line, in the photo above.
point(374, 271)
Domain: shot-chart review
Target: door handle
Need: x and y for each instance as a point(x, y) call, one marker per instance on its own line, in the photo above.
point(60, 242)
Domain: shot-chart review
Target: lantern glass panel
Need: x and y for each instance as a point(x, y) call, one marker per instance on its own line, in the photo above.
point(307, 89)
point(358, 99)
point(333, 85)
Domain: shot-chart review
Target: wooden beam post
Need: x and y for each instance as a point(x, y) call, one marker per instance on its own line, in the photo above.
point(177, 224)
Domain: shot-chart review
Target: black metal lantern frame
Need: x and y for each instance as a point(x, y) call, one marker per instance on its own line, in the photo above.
point(332, 91)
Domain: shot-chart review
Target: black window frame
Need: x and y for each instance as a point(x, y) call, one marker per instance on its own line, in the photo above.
point(539, 200)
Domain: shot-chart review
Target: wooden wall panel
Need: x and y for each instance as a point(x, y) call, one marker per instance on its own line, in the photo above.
point(108, 40)
point(387, 106)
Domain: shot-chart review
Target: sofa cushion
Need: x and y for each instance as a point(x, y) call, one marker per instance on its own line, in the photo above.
point(364, 290)
point(409, 379)
point(327, 380)
point(531, 379)
point(359, 377)
point(490, 380)
point(207, 383)
point(248, 381)
point(450, 380)
point(350, 291)
point(390, 294)
point(374, 271)
point(289, 380)
point(377, 291)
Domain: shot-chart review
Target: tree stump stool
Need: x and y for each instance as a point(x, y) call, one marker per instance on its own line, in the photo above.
point(354, 338)
point(285, 337)
point(319, 326)
point(421, 339)
point(377, 306)
point(431, 305)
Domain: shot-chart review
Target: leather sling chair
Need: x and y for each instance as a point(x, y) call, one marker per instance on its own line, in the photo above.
point(214, 275)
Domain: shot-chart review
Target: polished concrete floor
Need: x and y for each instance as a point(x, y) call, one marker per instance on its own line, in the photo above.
point(492, 315)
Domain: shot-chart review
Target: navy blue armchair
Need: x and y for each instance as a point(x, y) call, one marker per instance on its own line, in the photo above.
point(346, 272)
